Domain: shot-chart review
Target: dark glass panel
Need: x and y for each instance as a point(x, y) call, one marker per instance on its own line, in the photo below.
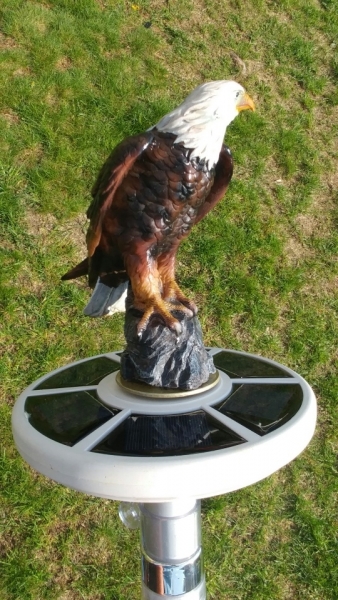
point(67, 417)
point(193, 432)
point(263, 407)
point(87, 373)
point(237, 365)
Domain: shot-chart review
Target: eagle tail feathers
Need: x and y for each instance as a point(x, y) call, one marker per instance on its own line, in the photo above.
point(78, 271)
point(107, 300)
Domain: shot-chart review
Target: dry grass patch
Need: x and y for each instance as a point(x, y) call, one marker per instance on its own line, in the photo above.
point(278, 532)
point(99, 546)
point(74, 232)
point(240, 330)
point(198, 17)
point(318, 220)
point(38, 224)
point(26, 281)
point(102, 5)
point(31, 156)
point(332, 180)
point(288, 589)
point(52, 99)
point(74, 595)
point(40, 26)
point(7, 43)
point(307, 224)
point(238, 62)
point(22, 72)
point(10, 116)
point(63, 64)
point(322, 287)
point(296, 252)
point(12, 539)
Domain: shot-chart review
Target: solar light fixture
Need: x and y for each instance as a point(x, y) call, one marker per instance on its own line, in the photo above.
point(159, 453)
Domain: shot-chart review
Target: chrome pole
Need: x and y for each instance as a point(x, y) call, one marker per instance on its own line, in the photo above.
point(172, 562)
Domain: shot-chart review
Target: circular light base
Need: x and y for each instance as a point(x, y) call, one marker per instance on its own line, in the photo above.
point(78, 426)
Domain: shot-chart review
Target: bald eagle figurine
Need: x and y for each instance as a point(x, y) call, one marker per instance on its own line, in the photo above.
point(148, 195)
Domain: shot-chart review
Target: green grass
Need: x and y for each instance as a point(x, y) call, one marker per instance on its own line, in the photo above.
point(77, 77)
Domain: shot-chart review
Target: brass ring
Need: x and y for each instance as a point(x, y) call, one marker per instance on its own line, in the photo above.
point(149, 391)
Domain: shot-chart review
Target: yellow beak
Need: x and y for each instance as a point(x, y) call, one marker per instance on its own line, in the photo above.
point(245, 103)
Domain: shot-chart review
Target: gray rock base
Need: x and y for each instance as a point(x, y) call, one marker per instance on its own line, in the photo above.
point(162, 359)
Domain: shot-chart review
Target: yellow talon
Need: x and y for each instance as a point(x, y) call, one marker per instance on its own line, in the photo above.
point(160, 309)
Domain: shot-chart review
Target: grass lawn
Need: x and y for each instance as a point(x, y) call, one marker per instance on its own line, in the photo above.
point(77, 77)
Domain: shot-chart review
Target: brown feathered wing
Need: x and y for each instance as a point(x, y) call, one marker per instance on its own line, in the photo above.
point(110, 177)
point(223, 174)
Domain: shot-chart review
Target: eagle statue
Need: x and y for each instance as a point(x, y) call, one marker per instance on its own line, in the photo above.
point(148, 195)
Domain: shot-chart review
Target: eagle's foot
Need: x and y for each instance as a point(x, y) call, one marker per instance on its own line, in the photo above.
point(158, 308)
point(180, 307)
point(173, 294)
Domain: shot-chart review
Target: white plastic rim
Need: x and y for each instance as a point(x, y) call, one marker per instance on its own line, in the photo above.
point(166, 478)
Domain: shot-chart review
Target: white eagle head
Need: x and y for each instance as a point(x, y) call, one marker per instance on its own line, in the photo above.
point(201, 120)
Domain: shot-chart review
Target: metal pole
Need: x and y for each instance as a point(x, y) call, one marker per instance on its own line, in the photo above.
point(172, 562)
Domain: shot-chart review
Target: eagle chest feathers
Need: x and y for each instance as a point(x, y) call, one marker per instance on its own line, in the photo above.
point(160, 197)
